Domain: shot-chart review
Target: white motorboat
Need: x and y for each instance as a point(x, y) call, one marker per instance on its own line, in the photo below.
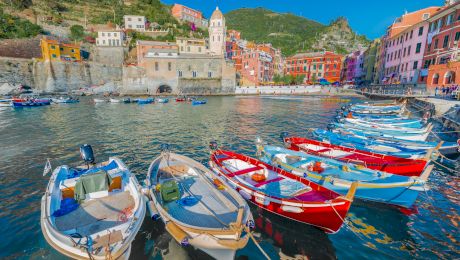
point(92, 211)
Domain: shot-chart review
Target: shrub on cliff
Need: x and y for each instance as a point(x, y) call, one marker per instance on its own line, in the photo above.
point(14, 27)
point(77, 32)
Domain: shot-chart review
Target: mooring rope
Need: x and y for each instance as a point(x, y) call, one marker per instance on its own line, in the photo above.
point(248, 230)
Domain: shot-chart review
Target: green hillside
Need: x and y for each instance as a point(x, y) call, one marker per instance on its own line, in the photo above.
point(286, 31)
point(293, 33)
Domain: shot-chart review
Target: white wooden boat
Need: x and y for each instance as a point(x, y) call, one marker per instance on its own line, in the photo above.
point(98, 100)
point(92, 212)
point(6, 103)
point(196, 207)
point(113, 100)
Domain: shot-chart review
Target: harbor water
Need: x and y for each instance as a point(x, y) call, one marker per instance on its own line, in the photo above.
point(133, 132)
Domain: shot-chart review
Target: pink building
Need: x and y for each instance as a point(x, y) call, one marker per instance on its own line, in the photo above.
point(349, 68)
point(405, 46)
point(257, 67)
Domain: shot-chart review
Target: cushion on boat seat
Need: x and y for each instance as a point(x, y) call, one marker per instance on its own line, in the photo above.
point(91, 183)
point(170, 191)
point(173, 170)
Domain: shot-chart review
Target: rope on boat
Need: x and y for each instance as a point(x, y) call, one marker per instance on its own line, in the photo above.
point(257, 243)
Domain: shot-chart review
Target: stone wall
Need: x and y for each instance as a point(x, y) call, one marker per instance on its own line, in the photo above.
point(16, 71)
point(66, 76)
point(113, 56)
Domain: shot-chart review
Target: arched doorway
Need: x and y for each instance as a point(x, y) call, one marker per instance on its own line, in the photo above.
point(164, 89)
point(435, 79)
point(449, 77)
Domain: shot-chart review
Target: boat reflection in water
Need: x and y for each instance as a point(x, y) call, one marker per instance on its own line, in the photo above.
point(291, 239)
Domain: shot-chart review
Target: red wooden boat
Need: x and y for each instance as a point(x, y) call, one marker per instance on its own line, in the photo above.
point(282, 192)
point(375, 161)
point(180, 99)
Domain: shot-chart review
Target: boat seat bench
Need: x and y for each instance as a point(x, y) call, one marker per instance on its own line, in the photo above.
point(244, 171)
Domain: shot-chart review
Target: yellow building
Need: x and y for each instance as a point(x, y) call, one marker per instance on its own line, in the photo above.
point(54, 50)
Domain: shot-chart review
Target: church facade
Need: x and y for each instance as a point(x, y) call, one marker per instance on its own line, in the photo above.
point(167, 67)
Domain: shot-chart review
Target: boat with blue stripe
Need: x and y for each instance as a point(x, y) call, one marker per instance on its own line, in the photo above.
point(338, 176)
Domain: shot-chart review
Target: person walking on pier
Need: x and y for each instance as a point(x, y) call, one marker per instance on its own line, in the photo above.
point(436, 91)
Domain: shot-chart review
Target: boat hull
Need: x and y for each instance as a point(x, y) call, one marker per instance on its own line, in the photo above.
point(327, 215)
point(374, 161)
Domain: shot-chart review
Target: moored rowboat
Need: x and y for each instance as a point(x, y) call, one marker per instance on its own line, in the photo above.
point(282, 192)
point(338, 176)
point(196, 207)
point(371, 160)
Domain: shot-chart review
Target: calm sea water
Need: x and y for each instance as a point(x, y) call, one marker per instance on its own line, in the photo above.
point(134, 132)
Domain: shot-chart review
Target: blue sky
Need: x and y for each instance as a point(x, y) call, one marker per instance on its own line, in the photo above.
point(369, 17)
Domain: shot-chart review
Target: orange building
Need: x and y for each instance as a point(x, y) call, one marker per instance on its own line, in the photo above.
point(53, 50)
point(316, 65)
point(233, 35)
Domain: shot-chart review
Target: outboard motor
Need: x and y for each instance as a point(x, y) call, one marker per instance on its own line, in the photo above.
point(165, 148)
point(87, 154)
point(330, 127)
point(283, 135)
point(213, 146)
point(343, 108)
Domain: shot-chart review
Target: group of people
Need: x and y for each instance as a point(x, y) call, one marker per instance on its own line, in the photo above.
point(445, 91)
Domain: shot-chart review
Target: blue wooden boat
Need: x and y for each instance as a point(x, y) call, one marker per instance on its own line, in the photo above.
point(402, 148)
point(338, 176)
point(142, 101)
point(406, 123)
point(32, 103)
point(384, 129)
point(199, 102)
point(378, 134)
point(393, 148)
point(163, 100)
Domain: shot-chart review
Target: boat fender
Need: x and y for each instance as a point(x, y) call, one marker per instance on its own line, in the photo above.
point(262, 200)
point(157, 187)
point(316, 167)
point(291, 209)
point(154, 214)
point(219, 185)
point(245, 194)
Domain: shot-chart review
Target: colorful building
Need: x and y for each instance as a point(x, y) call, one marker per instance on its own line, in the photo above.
point(441, 61)
point(257, 67)
point(315, 66)
point(370, 58)
point(405, 46)
point(187, 14)
point(54, 50)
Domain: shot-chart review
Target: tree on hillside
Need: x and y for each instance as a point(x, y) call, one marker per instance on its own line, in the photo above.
point(77, 32)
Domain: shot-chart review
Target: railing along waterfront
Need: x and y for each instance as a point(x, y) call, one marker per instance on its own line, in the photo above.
point(399, 90)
